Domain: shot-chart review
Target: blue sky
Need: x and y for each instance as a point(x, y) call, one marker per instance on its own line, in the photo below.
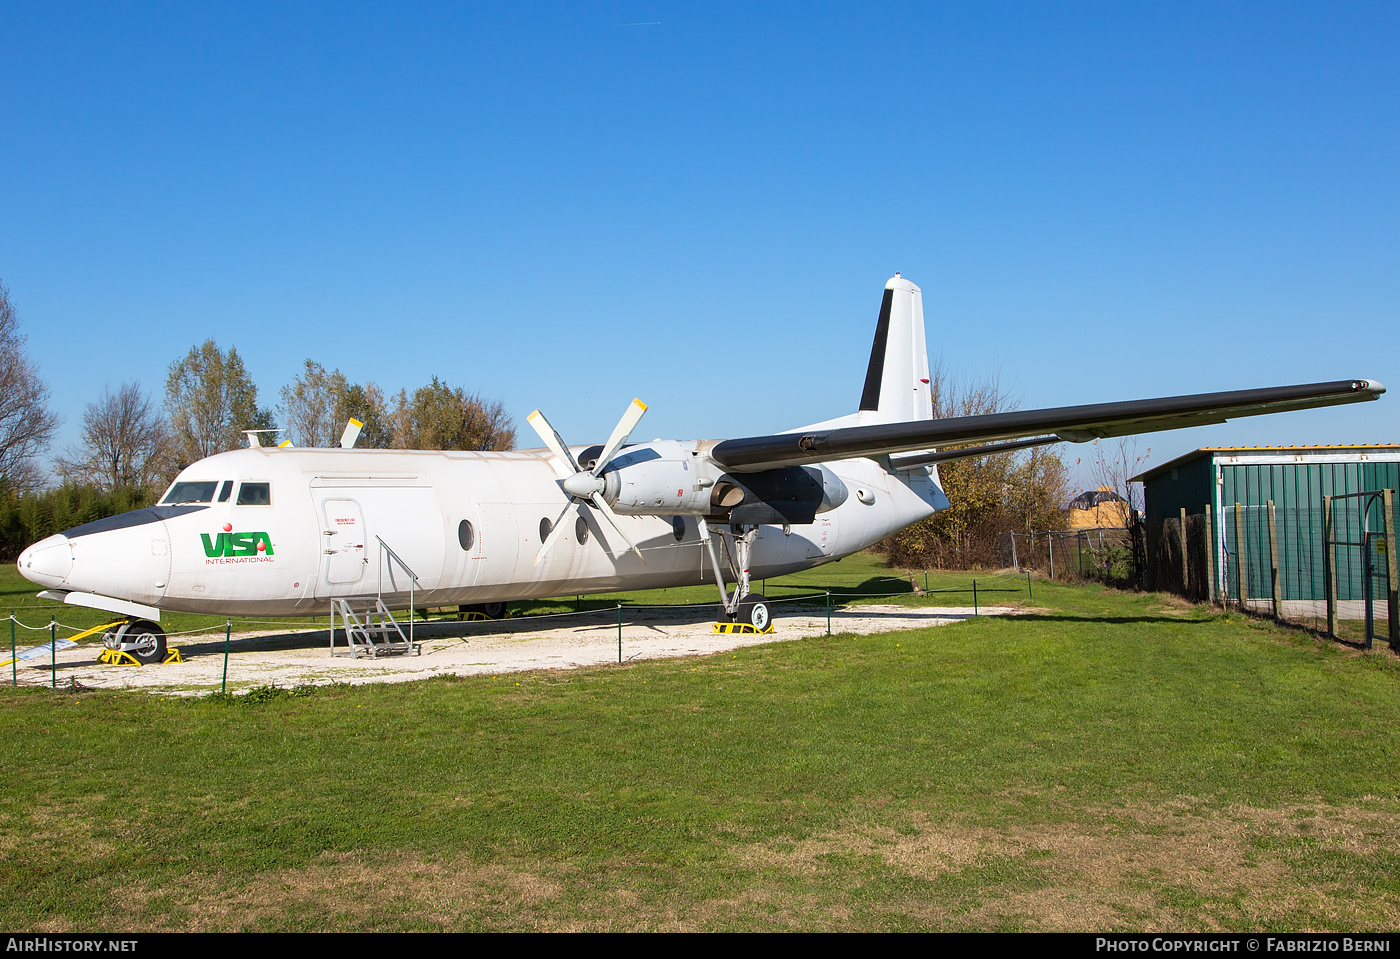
point(566, 205)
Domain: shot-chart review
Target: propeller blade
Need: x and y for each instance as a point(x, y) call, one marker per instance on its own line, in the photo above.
point(624, 429)
point(611, 517)
point(554, 442)
point(560, 525)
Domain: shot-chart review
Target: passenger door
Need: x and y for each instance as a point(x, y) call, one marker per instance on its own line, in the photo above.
point(343, 553)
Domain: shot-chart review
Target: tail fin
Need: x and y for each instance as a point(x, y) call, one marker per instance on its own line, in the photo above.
point(897, 382)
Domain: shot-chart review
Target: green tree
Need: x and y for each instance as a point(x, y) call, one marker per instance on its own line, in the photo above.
point(441, 417)
point(317, 405)
point(211, 400)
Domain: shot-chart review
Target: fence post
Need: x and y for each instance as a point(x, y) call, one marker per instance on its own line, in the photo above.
point(53, 652)
point(1329, 566)
point(974, 599)
point(619, 634)
point(14, 677)
point(828, 612)
point(1050, 548)
point(1241, 572)
point(1212, 554)
point(228, 631)
point(1029, 593)
point(1185, 584)
point(1392, 588)
point(1274, 584)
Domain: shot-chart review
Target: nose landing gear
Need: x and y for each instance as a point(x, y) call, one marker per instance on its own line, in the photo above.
point(137, 642)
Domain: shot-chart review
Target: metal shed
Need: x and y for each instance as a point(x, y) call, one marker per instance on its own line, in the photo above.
point(1203, 488)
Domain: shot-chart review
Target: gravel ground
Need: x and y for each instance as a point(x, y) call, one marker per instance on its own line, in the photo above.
point(292, 658)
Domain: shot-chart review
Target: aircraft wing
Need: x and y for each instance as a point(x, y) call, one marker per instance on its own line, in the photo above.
point(1075, 424)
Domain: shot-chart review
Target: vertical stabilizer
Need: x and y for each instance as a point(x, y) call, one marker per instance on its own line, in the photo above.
point(896, 383)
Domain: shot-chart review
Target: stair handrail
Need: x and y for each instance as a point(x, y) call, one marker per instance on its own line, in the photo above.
point(412, 579)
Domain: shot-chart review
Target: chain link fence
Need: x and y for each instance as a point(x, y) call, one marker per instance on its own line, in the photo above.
point(1107, 554)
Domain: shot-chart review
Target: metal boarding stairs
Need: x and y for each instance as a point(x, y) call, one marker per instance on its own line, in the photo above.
point(376, 633)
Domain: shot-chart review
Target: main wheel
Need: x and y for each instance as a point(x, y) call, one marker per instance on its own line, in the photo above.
point(754, 611)
point(146, 641)
point(489, 610)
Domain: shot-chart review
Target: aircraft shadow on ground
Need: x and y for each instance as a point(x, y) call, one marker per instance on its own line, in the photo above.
point(1113, 620)
point(597, 618)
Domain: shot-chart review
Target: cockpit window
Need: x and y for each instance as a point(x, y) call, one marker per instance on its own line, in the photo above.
point(225, 490)
point(255, 494)
point(190, 493)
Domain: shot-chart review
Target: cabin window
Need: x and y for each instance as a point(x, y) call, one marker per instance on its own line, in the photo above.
point(225, 491)
point(466, 535)
point(678, 527)
point(191, 493)
point(255, 494)
point(546, 527)
point(581, 530)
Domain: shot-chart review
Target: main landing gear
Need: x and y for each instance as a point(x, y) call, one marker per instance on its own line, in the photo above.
point(483, 611)
point(744, 611)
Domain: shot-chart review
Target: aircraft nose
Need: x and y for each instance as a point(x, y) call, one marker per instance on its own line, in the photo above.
point(48, 562)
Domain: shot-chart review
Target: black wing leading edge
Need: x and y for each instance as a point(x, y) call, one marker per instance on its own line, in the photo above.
point(1075, 424)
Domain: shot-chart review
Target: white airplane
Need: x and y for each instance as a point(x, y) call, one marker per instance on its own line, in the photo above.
point(285, 531)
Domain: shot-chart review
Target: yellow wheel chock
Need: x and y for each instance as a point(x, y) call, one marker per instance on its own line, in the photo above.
point(740, 628)
point(115, 657)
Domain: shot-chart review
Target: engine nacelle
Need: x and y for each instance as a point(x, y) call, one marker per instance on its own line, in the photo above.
point(663, 477)
point(667, 477)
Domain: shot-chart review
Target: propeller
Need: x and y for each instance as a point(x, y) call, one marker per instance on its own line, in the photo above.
point(585, 485)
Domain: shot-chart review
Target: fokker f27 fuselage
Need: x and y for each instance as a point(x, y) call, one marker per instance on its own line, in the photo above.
point(468, 524)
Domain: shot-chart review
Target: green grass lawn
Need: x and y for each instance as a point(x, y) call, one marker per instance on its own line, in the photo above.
point(1108, 761)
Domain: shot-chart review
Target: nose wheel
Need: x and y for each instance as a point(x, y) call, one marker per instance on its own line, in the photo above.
point(140, 639)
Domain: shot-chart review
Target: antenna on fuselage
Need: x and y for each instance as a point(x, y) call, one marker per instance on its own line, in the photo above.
point(351, 434)
point(253, 440)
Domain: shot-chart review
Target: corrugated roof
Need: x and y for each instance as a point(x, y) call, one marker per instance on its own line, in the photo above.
point(1284, 449)
point(1194, 454)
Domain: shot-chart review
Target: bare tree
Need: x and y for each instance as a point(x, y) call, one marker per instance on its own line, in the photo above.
point(309, 406)
point(211, 401)
point(987, 494)
point(317, 405)
point(1115, 463)
point(125, 444)
point(441, 417)
point(26, 423)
